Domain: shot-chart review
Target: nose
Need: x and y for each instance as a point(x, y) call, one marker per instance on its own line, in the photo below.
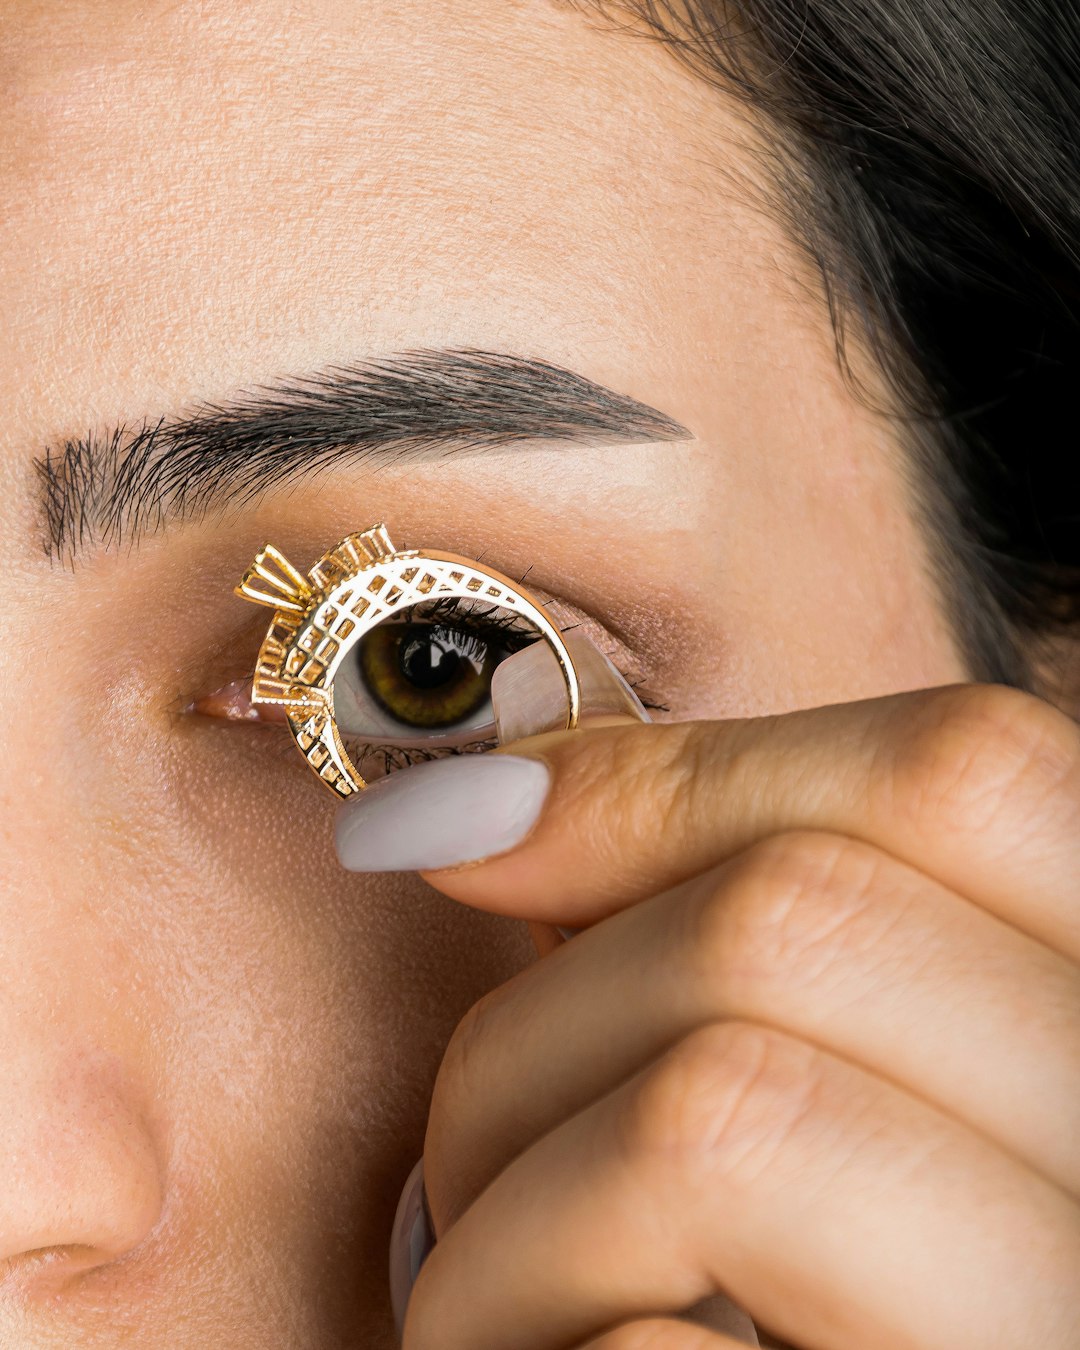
point(80, 1176)
point(81, 1154)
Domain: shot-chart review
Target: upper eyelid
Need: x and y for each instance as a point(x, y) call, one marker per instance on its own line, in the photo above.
point(569, 617)
point(230, 653)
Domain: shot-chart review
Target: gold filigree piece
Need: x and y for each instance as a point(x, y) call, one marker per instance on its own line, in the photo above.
point(272, 580)
point(318, 619)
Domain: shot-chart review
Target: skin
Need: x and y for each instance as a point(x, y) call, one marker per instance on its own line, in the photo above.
point(818, 1049)
point(218, 1047)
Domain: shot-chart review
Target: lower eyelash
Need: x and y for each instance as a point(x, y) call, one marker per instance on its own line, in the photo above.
point(394, 757)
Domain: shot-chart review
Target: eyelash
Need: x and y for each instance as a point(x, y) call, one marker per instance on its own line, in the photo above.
point(479, 622)
point(393, 757)
point(471, 617)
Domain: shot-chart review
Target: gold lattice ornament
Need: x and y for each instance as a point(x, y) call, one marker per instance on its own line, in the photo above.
point(319, 618)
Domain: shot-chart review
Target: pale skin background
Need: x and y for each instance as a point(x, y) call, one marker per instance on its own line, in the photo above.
point(217, 1046)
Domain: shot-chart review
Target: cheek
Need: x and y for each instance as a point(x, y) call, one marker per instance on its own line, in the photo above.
point(319, 993)
point(294, 1015)
point(330, 968)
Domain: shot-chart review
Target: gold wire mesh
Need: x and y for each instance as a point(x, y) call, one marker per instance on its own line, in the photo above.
point(318, 619)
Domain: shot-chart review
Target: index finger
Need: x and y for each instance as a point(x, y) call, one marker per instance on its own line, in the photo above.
point(976, 785)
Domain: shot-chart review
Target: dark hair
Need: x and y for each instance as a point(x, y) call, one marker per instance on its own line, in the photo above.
point(928, 159)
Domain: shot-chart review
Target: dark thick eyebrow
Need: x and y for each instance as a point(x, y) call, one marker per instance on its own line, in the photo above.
point(118, 485)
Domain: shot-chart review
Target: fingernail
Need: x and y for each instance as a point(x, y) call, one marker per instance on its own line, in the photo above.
point(528, 694)
point(718, 1313)
point(441, 813)
point(411, 1241)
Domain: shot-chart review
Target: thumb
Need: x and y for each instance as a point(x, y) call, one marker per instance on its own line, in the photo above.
point(451, 811)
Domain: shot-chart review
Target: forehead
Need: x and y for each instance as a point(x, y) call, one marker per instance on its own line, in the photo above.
point(201, 193)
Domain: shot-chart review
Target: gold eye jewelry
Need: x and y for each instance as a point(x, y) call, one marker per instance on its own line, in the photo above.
point(380, 641)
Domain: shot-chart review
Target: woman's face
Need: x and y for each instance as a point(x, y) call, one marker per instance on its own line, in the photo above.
point(217, 1046)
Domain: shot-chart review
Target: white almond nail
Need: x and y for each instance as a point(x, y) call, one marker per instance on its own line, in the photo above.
point(441, 813)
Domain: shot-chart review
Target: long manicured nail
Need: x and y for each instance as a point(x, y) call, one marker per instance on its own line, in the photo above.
point(410, 1243)
point(441, 813)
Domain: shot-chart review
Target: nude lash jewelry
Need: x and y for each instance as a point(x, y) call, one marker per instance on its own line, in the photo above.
point(320, 616)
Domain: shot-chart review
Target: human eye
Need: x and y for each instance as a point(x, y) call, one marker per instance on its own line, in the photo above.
point(420, 686)
point(377, 659)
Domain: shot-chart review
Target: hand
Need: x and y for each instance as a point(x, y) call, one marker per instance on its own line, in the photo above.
point(818, 1047)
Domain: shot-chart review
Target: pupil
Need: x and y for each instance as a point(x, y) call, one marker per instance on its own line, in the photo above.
point(426, 664)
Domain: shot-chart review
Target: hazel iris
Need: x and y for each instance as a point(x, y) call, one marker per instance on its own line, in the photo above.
point(427, 675)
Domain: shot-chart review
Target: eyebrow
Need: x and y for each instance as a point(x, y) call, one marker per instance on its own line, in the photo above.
point(121, 484)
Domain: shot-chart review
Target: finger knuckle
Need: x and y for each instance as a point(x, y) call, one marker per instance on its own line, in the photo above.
point(672, 792)
point(978, 751)
point(789, 908)
point(665, 775)
point(654, 772)
point(721, 1105)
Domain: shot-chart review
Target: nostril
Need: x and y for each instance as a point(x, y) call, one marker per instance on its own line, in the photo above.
point(80, 1173)
point(46, 1271)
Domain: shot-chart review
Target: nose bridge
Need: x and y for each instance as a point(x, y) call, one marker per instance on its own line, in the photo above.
point(30, 810)
point(80, 1156)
